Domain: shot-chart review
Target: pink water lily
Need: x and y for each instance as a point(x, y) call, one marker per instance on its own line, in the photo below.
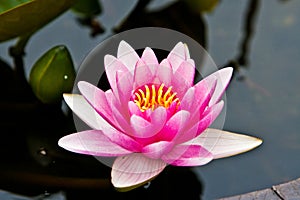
point(153, 116)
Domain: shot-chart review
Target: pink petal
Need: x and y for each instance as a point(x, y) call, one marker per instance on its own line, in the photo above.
point(188, 100)
point(190, 133)
point(91, 142)
point(84, 111)
point(188, 155)
point(164, 73)
point(142, 128)
point(187, 71)
point(124, 86)
point(134, 170)
point(157, 149)
point(97, 99)
point(120, 113)
point(179, 84)
point(172, 110)
point(145, 129)
point(150, 59)
point(112, 66)
point(177, 55)
point(142, 74)
point(134, 109)
point(158, 117)
point(203, 93)
point(174, 126)
point(127, 55)
point(121, 139)
point(211, 114)
point(223, 143)
point(223, 76)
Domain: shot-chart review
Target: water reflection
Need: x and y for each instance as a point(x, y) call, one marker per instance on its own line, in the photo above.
point(177, 16)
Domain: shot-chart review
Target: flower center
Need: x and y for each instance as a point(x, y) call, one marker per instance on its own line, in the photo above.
point(152, 96)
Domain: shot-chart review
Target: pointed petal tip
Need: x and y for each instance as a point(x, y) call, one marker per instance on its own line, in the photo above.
point(225, 144)
point(60, 142)
point(254, 144)
point(124, 47)
point(83, 85)
point(108, 60)
point(257, 142)
point(226, 73)
point(67, 95)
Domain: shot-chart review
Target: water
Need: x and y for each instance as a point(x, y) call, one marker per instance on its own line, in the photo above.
point(263, 98)
point(266, 104)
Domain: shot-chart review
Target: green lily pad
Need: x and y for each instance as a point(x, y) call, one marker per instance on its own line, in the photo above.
point(52, 75)
point(19, 17)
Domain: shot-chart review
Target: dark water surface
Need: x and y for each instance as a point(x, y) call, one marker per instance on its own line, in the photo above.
point(261, 40)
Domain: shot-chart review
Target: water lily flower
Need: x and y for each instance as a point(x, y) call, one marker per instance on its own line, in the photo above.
point(153, 116)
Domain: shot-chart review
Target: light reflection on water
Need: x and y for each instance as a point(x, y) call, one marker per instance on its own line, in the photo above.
point(266, 103)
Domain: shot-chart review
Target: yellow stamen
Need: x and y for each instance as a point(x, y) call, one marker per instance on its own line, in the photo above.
point(151, 97)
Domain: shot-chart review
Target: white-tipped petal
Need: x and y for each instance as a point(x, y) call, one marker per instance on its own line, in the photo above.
point(133, 170)
point(127, 55)
point(84, 110)
point(223, 77)
point(91, 142)
point(224, 144)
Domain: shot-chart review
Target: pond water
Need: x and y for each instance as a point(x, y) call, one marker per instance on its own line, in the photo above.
point(261, 39)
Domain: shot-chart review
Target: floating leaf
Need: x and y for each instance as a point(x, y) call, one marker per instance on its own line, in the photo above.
point(19, 17)
point(87, 8)
point(52, 75)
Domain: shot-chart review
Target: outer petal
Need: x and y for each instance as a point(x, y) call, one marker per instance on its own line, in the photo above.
point(133, 170)
point(97, 99)
point(188, 155)
point(178, 54)
point(223, 143)
point(121, 139)
point(127, 55)
point(223, 76)
point(84, 111)
point(91, 142)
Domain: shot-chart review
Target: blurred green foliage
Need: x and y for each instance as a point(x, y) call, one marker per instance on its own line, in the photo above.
point(52, 75)
point(21, 17)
